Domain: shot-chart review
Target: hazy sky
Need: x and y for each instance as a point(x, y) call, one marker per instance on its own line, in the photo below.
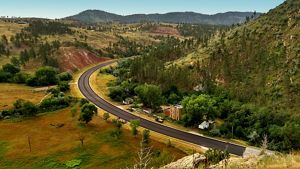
point(63, 8)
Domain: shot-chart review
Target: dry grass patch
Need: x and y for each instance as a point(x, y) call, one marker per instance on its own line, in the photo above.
point(99, 82)
point(4, 60)
point(9, 93)
point(51, 147)
point(291, 161)
point(10, 29)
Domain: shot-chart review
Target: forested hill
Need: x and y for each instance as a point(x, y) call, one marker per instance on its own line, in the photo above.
point(259, 62)
point(228, 18)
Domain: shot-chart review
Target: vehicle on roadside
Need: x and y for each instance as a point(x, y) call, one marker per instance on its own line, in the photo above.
point(159, 119)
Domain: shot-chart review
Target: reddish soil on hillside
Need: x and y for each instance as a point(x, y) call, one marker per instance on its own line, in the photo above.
point(72, 59)
point(166, 31)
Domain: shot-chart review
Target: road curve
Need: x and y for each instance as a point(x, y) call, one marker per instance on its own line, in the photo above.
point(87, 91)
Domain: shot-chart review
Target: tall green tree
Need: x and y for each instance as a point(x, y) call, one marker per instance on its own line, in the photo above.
point(46, 76)
point(87, 112)
point(150, 95)
point(198, 108)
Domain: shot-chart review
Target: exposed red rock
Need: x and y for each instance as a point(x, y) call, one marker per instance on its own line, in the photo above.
point(72, 58)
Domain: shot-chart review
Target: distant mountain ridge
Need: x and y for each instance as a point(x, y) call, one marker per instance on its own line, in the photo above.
point(228, 18)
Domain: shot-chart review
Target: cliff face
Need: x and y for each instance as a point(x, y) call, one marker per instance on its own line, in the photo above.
point(71, 59)
point(277, 161)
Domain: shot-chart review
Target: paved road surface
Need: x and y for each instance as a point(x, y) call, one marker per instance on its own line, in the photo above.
point(87, 91)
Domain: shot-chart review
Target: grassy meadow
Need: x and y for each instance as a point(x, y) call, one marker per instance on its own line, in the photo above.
point(9, 93)
point(52, 147)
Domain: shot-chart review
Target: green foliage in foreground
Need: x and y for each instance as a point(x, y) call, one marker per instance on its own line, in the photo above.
point(214, 156)
point(73, 163)
point(146, 136)
point(134, 124)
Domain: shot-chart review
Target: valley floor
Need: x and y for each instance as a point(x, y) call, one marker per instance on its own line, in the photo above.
point(53, 146)
point(99, 82)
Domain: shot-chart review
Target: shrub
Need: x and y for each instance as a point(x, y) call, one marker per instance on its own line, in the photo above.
point(174, 98)
point(214, 132)
point(4, 76)
point(83, 101)
point(46, 76)
point(24, 108)
point(32, 81)
point(146, 136)
point(134, 124)
point(116, 133)
point(73, 163)
point(117, 123)
point(116, 93)
point(55, 103)
point(9, 68)
point(20, 78)
point(54, 91)
point(64, 86)
point(65, 76)
point(106, 116)
point(214, 156)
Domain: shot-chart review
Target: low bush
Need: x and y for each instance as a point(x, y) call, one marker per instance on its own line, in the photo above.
point(55, 103)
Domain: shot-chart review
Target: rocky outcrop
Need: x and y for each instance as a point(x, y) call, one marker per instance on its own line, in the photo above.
point(72, 59)
point(249, 162)
point(188, 162)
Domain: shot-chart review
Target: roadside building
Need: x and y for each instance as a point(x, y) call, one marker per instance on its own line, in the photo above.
point(173, 112)
point(206, 125)
point(127, 101)
point(147, 110)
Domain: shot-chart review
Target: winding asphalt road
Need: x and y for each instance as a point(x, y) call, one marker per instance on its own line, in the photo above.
point(88, 92)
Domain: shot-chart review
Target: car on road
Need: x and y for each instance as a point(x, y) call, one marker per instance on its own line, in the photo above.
point(159, 119)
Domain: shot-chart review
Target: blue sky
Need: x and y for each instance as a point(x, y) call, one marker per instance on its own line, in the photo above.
point(63, 8)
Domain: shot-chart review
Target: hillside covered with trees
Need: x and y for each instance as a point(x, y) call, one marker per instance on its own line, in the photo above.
point(258, 63)
point(229, 18)
point(247, 76)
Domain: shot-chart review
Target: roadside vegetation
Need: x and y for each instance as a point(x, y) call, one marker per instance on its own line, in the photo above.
point(241, 120)
point(229, 86)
